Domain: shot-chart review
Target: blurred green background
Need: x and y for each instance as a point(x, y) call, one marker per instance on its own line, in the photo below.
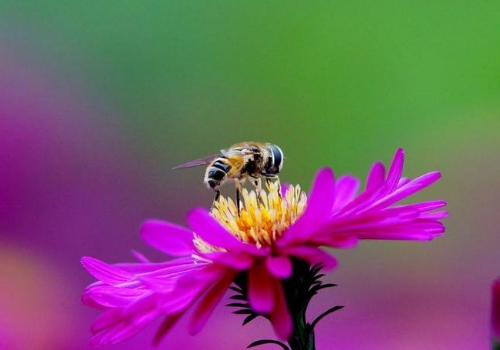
point(338, 83)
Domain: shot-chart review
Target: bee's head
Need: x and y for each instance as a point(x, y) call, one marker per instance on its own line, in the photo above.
point(274, 163)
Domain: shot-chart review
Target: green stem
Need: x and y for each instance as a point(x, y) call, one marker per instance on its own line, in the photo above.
point(304, 283)
point(297, 294)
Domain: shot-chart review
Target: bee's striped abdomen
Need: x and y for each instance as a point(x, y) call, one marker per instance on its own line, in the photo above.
point(219, 164)
point(217, 172)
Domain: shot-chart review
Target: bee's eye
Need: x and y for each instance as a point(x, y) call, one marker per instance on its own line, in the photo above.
point(275, 161)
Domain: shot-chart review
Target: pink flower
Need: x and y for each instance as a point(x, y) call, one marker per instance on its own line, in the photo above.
point(262, 244)
point(495, 312)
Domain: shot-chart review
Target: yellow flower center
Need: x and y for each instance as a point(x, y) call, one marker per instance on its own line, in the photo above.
point(261, 221)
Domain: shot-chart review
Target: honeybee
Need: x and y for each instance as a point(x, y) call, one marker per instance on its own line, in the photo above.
point(242, 161)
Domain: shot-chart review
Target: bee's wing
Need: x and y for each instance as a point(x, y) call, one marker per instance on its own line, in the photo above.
point(237, 152)
point(198, 162)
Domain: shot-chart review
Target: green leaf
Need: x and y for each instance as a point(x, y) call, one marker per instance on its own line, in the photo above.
point(249, 318)
point(315, 269)
point(316, 288)
point(317, 277)
point(324, 314)
point(243, 305)
point(268, 341)
point(236, 289)
point(243, 312)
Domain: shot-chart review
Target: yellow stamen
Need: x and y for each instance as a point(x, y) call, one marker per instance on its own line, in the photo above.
point(260, 222)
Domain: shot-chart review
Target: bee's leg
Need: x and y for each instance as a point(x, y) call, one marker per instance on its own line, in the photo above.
point(279, 185)
point(258, 186)
point(268, 182)
point(238, 190)
point(217, 196)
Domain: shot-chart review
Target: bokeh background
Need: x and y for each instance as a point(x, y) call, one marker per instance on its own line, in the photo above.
point(98, 100)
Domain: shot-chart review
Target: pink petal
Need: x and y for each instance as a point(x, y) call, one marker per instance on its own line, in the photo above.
point(127, 329)
point(139, 256)
point(381, 219)
point(238, 261)
point(209, 273)
point(435, 216)
point(105, 272)
point(392, 223)
point(260, 285)
point(322, 197)
point(346, 189)
point(165, 327)
point(109, 296)
point(337, 241)
point(209, 302)
point(362, 201)
point(407, 190)
point(116, 325)
point(167, 237)
point(152, 267)
point(280, 316)
point(161, 284)
point(313, 255)
point(423, 206)
point(279, 266)
point(375, 176)
point(174, 270)
point(403, 233)
point(495, 310)
point(395, 170)
point(106, 320)
point(318, 210)
point(284, 189)
point(180, 299)
point(211, 231)
point(403, 181)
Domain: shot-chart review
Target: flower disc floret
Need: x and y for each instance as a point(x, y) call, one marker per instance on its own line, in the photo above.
point(261, 222)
